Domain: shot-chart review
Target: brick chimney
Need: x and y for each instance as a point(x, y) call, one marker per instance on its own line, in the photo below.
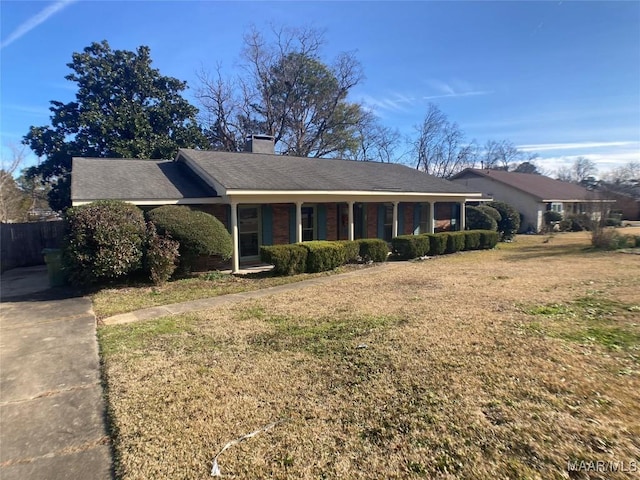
point(259, 144)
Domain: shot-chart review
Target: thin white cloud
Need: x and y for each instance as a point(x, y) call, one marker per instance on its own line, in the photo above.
point(396, 102)
point(543, 147)
point(459, 94)
point(34, 21)
point(452, 89)
point(400, 102)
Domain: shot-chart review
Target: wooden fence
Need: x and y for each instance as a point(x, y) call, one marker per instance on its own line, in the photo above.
point(21, 244)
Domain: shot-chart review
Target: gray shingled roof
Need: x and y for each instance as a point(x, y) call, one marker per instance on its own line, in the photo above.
point(539, 186)
point(133, 179)
point(256, 171)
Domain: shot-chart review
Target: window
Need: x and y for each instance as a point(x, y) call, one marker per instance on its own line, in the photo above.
point(308, 224)
point(556, 207)
point(249, 231)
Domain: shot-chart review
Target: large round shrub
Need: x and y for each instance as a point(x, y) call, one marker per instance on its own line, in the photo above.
point(509, 223)
point(104, 240)
point(492, 212)
point(197, 232)
point(479, 220)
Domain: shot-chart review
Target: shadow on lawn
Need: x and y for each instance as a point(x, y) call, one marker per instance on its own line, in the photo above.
point(546, 250)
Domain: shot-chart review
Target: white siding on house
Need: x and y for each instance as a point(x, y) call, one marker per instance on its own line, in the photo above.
point(529, 207)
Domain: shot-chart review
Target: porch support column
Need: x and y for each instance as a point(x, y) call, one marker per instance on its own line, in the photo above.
point(463, 217)
point(432, 215)
point(298, 222)
point(394, 226)
point(351, 234)
point(235, 256)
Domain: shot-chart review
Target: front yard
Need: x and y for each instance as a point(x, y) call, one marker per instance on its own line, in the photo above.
point(520, 362)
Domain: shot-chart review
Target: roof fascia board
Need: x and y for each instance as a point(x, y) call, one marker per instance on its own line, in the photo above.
point(579, 200)
point(155, 201)
point(341, 197)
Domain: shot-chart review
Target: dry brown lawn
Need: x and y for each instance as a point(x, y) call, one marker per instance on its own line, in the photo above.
point(508, 363)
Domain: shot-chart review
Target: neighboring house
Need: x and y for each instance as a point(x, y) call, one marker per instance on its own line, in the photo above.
point(627, 199)
point(266, 199)
point(532, 195)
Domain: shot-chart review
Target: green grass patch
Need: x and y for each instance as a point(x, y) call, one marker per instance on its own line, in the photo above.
point(610, 323)
point(167, 333)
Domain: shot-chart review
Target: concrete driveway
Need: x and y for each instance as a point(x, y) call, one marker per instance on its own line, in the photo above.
point(52, 413)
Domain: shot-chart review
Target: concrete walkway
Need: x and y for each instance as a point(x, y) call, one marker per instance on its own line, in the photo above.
point(52, 413)
point(211, 302)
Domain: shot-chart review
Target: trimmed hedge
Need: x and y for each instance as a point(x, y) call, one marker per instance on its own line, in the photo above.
point(412, 246)
point(437, 243)
point(373, 250)
point(488, 239)
point(455, 242)
point(288, 259)
point(351, 250)
point(405, 247)
point(472, 240)
point(323, 255)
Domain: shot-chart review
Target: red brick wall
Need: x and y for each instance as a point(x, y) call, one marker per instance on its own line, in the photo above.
point(372, 220)
point(281, 223)
point(332, 221)
point(408, 219)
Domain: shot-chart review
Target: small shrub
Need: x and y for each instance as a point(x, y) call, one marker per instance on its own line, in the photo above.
point(197, 232)
point(479, 220)
point(472, 240)
point(437, 243)
point(423, 244)
point(373, 250)
point(509, 223)
point(161, 255)
point(606, 239)
point(552, 217)
point(404, 247)
point(488, 239)
point(351, 250)
point(286, 259)
point(455, 242)
point(323, 256)
point(637, 241)
point(104, 240)
point(576, 223)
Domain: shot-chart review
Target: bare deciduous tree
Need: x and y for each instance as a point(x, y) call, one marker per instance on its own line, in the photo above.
point(440, 147)
point(11, 197)
point(285, 91)
point(582, 171)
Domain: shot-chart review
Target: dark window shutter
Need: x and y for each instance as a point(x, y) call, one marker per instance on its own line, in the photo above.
point(292, 224)
point(267, 225)
point(322, 222)
point(381, 214)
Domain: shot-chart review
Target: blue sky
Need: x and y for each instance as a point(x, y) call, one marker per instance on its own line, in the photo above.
point(559, 78)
